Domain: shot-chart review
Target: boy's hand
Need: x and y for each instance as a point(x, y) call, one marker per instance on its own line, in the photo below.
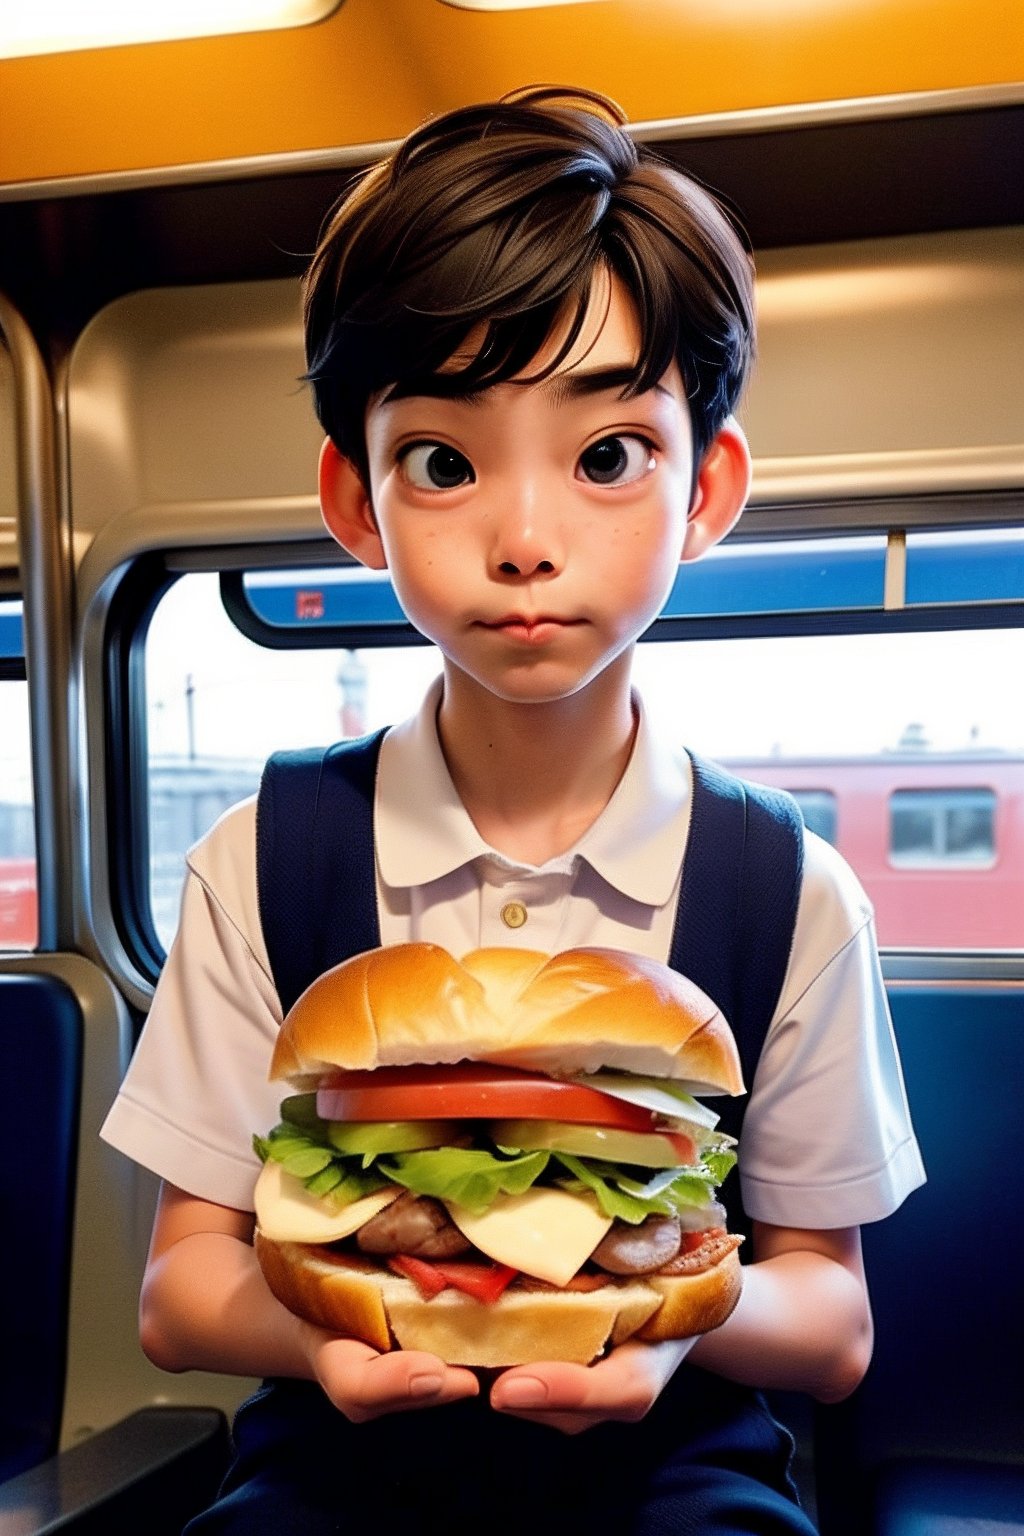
point(363, 1384)
point(572, 1398)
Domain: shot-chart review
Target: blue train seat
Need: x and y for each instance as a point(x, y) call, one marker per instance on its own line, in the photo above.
point(154, 1469)
point(933, 1439)
point(41, 1045)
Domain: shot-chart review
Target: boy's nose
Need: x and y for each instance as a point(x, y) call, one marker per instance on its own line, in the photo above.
point(539, 568)
point(525, 556)
point(526, 544)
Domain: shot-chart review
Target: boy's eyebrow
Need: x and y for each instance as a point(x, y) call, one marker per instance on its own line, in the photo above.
point(578, 384)
point(432, 387)
point(581, 382)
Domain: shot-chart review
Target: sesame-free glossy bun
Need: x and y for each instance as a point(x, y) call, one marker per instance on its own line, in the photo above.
point(566, 1014)
point(355, 1297)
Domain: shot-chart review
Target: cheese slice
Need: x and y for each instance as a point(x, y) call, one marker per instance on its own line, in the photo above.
point(548, 1233)
point(287, 1213)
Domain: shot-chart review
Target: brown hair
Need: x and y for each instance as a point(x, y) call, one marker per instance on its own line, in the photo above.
point(498, 215)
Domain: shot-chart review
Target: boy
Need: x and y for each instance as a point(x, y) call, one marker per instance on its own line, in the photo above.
point(525, 339)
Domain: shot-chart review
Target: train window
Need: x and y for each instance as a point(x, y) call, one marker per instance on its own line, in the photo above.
point(842, 714)
point(942, 826)
point(218, 705)
point(961, 566)
point(818, 808)
point(18, 907)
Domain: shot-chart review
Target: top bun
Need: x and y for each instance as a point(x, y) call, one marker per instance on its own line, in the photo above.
point(564, 1014)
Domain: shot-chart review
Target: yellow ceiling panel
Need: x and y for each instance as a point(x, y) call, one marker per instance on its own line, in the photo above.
point(375, 68)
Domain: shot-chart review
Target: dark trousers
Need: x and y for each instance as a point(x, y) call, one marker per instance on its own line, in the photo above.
point(708, 1459)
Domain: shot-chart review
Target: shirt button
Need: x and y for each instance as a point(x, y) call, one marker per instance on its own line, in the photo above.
point(513, 914)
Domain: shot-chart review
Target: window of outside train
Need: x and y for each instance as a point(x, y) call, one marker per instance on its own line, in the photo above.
point(18, 908)
point(942, 827)
point(842, 719)
point(818, 808)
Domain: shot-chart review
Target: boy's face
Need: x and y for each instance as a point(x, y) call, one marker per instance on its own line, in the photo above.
point(533, 531)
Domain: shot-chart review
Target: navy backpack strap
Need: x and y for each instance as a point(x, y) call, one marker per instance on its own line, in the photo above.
point(315, 861)
point(737, 907)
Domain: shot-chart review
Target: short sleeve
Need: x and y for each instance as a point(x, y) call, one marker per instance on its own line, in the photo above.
point(196, 1088)
point(827, 1139)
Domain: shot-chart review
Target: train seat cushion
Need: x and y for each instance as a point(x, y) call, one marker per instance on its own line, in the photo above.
point(928, 1498)
point(40, 1066)
point(945, 1383)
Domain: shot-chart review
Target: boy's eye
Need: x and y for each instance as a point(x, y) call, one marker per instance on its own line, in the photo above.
point(436, 467)
point(616, 460)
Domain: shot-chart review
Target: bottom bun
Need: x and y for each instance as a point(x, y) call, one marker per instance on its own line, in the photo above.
point(354, 1296)
point(692, 1304)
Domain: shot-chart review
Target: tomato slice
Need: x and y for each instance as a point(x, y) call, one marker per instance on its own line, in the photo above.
point(425, 1276)
point(694, 1240)
point(471, 1090)
point(484, 1282)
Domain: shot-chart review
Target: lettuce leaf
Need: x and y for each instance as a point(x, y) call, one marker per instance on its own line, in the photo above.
point(473, 1177)
point(466, 1176)
point(613, 1200)
point(719, 1161)
point(666, 1192)
point(322, 1171)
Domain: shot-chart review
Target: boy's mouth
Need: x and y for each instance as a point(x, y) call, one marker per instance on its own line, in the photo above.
point(530, 630)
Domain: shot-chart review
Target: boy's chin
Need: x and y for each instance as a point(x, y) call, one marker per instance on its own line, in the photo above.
point(522, 692)
point(543, 681)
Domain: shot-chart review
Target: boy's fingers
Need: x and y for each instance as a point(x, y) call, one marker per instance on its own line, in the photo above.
point(555, 1386)
point(394, 1383)
point(571, 1397)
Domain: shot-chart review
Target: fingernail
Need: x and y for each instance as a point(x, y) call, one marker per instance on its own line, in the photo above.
point(526, 1392)
point(424, 1385)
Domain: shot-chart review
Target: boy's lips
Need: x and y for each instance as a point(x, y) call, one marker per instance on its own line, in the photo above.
point(533, 629)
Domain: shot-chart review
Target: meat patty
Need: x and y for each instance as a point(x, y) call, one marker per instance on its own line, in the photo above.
point(412, 1224)
point(717, 1245)
point(639, 1250)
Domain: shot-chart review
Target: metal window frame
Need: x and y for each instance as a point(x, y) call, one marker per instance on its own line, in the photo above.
point(149, 577)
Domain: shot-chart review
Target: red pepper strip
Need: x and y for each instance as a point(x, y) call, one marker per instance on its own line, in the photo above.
point(694, 1240)
point(485, 1282)
point(426, 1277)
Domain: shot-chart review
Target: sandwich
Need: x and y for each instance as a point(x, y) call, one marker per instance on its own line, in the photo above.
point(501, 1159)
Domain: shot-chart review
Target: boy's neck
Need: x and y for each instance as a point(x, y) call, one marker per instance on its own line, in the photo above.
point(534, 777)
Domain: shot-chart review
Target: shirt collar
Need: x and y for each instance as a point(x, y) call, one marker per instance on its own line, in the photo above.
point(636, 844)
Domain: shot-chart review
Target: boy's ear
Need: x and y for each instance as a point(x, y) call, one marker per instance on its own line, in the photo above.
point(346, 508)
point(723, 484)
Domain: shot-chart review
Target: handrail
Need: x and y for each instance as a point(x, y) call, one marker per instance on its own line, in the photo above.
point(46, 590)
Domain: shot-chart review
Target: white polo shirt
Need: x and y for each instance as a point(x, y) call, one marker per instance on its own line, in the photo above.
point(827, 1139)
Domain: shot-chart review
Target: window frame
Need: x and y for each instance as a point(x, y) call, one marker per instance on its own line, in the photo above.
point(12, 669)
point(150, 576)
point(126, 754)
